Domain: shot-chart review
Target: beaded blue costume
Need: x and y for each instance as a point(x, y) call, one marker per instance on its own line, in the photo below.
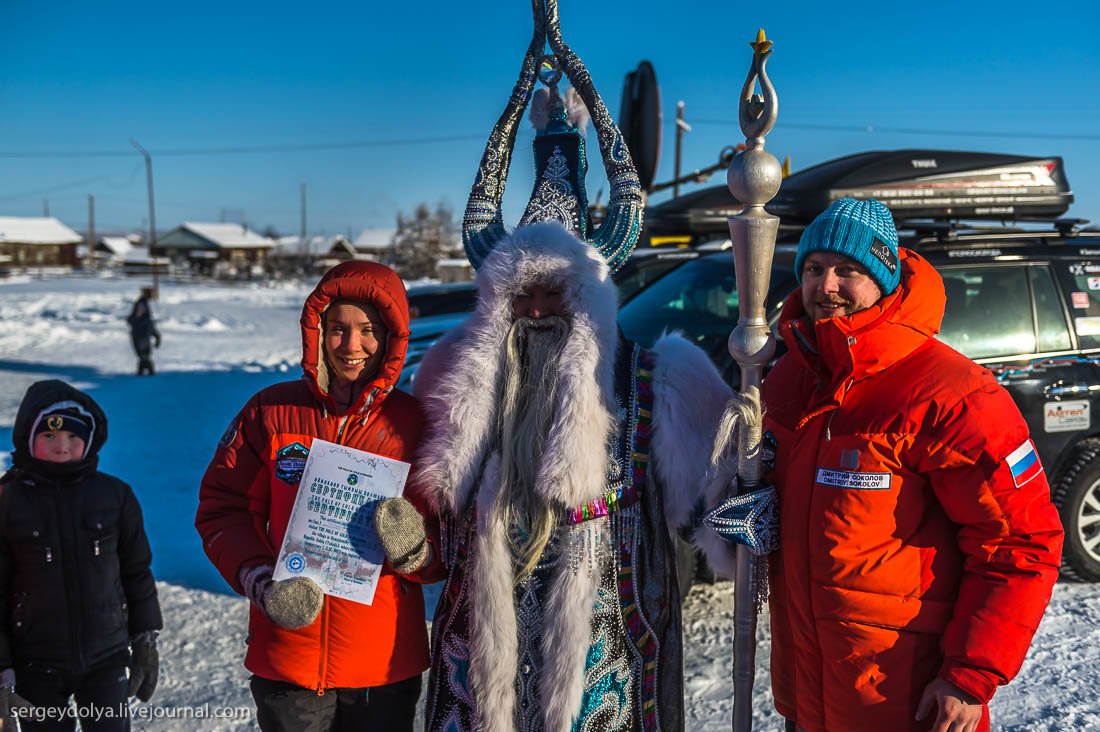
point(589, 640)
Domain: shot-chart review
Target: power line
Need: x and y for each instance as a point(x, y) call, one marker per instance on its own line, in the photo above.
point(63, 186)
point(870, 129)
point(244, 149)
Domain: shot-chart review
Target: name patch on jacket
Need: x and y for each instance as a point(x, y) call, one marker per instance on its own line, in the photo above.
point(290, 461)
point(1024, 463)
point(859, 481)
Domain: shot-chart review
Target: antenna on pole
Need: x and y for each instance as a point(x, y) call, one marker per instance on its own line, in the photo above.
point(91, 231)
point(152, 215)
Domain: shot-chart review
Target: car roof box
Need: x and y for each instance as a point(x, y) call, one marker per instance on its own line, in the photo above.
point(937, 184)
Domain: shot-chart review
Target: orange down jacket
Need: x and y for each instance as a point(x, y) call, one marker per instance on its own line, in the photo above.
point(248, 491)
point(907, 548)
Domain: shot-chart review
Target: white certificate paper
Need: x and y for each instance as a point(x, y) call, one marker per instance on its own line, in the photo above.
point(331, 537)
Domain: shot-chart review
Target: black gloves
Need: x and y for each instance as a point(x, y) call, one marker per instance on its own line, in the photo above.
point(292, 603)
point(144, 665)
point(10, 702)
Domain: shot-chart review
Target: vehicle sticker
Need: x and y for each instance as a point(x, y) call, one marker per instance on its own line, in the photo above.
point(1089, 326)
point(1082, 268)
point(1066, 416)
point(860, 481)
point(1089, 252)
point(1081, 300)
point(974, 253)
point(1094, 283)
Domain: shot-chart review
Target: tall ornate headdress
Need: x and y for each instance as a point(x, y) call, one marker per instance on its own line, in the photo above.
point(560, 163)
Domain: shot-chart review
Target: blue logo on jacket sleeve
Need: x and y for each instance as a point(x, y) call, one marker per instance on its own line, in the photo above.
point(229, 434)
point(290, 461)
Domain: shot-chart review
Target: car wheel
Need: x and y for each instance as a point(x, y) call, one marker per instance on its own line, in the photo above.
point(685, 566)
point(1077, 496)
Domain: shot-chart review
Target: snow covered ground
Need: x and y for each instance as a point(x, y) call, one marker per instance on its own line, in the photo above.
point(222, 343)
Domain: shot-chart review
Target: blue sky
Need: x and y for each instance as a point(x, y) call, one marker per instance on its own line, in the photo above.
point(1010, 77)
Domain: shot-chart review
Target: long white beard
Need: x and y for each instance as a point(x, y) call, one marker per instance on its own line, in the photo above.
point(526, 414)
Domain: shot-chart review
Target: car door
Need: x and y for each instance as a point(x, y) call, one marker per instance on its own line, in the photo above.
point(1011, 318)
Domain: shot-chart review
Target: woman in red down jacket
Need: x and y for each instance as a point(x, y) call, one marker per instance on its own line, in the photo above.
point(915, 549)
point(346, 665)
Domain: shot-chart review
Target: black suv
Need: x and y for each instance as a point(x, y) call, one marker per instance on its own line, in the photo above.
point(1022, 300)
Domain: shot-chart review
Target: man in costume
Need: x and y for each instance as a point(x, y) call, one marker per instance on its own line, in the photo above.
point(561, 457)
point(919, 542)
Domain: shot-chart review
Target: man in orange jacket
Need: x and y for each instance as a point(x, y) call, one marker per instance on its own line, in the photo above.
point(919, 542)
point(321, 662)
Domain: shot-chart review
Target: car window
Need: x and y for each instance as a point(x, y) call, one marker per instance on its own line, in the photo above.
point(698, 299)
point(635, 277)
point(988, 311)
point(437, 302)
point(1081, 282)
point(1049, 314)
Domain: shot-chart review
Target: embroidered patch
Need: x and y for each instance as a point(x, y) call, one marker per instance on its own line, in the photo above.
point(849, 459)
point(1024, 463)
point(230, 433)
point(859, 481)
point(290, 461)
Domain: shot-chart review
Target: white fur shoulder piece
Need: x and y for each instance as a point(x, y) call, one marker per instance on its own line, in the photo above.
point(461, 386)
point(689, 398)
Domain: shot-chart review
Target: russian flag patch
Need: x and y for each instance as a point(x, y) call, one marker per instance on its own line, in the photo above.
point(1024, 463)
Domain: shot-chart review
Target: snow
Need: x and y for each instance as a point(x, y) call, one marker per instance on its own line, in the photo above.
point(36, 230)
point(221, 344)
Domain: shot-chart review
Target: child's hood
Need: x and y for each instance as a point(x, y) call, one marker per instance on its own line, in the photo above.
point(45, 396)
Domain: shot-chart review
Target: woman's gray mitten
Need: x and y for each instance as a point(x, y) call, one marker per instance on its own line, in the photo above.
point(292, 603)
point(400, 529)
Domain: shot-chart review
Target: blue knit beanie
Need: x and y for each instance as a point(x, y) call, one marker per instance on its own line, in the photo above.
point(862, 230)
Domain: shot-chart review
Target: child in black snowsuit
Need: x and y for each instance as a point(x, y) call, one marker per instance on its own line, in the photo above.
point(78, 604)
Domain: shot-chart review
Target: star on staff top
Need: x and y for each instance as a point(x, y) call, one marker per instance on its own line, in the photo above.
point(762, 44)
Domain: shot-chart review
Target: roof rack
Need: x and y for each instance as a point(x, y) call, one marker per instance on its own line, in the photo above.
point(932, 184)
point(939, 185)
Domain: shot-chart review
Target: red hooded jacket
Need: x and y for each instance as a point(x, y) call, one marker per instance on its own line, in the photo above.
point(915, 541)
point(245, 504)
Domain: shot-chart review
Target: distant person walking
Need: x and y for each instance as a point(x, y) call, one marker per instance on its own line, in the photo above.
point(143, 332)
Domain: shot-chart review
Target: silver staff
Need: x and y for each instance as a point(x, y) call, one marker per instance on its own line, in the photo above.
point(753, 178)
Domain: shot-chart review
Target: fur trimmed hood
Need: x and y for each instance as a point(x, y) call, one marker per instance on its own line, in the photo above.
point(460, 378)
point(369, 282)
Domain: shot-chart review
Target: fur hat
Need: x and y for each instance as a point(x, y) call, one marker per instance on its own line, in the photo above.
point(861, 230)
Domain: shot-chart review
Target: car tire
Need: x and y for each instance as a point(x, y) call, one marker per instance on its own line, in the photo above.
point(1076, 493)
point(685, 566)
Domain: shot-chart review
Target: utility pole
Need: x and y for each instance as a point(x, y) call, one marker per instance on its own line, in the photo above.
point(46, 207)
point(681, 128)
point(302, 234)
point(91, 231)
point(152, 215)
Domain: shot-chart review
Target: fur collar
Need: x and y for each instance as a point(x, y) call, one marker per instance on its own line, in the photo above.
point(460, 378)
